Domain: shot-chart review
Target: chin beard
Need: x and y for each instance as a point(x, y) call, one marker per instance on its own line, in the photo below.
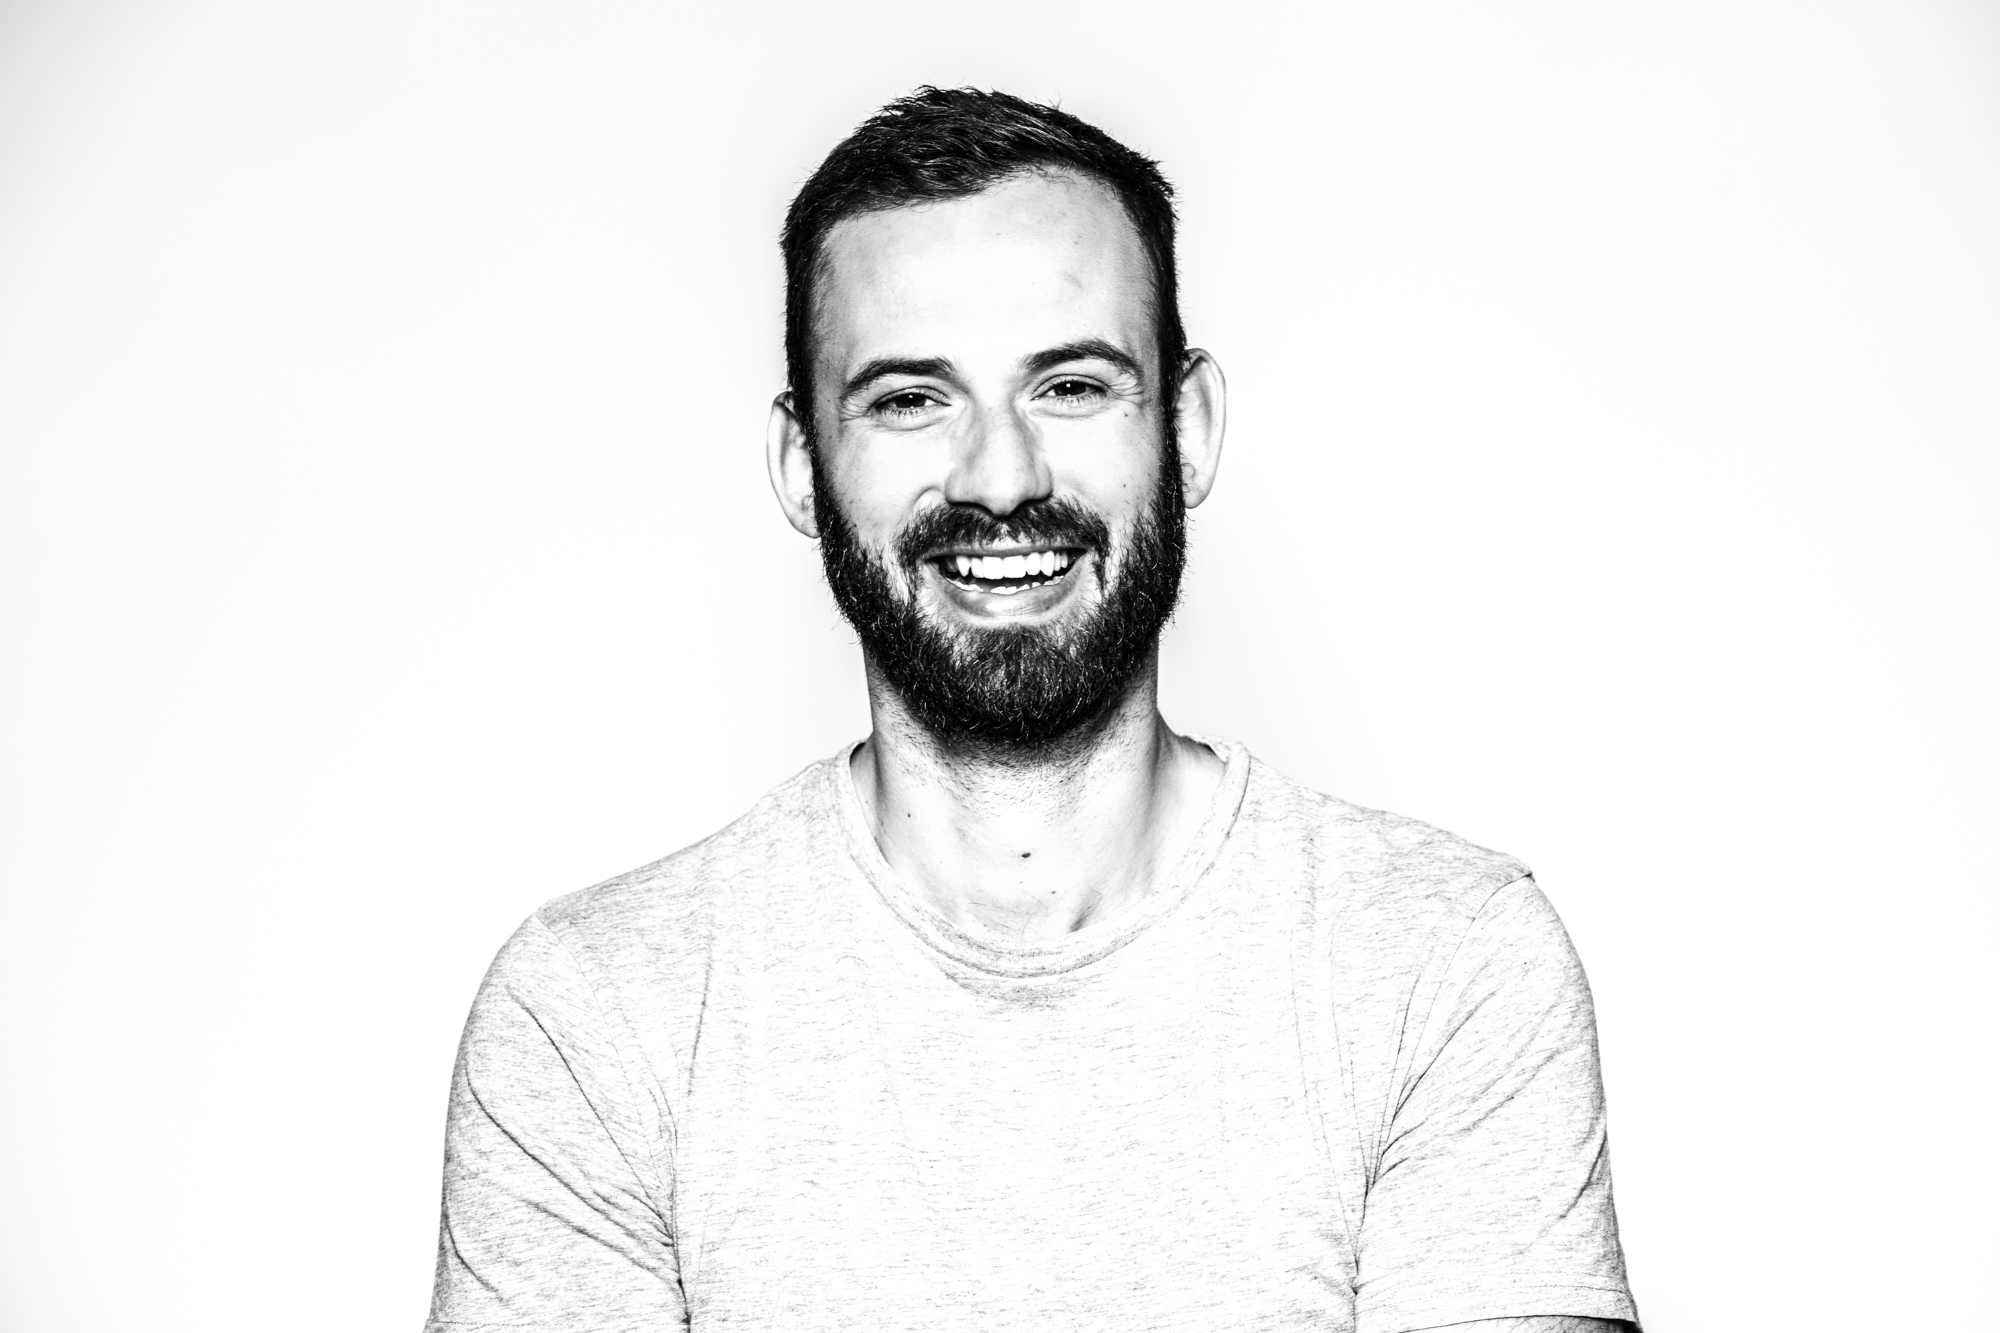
point(1011, 687)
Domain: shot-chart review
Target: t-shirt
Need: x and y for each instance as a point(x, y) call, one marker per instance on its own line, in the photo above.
point(1337, 1071)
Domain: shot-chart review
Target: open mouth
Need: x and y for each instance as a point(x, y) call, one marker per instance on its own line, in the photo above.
point(1015, 572)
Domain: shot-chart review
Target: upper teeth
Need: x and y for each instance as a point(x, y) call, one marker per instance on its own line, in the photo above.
point(1029, 565)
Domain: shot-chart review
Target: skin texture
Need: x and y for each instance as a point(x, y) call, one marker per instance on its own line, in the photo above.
point(1014, 846)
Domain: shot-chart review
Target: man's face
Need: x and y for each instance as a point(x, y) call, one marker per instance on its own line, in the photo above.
point(995, 483)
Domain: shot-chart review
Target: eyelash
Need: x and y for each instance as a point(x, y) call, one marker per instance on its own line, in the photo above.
point(884, 405)
point(1090, 389)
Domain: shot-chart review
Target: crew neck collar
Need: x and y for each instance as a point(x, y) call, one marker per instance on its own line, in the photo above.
point(1080, 948)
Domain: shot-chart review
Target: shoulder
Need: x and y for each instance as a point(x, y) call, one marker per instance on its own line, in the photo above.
point(661, 913)
point(1371, 862)
point(1392, 902)
point(620, 968)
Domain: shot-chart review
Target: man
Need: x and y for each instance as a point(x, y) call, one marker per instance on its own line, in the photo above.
point(1025, 1012)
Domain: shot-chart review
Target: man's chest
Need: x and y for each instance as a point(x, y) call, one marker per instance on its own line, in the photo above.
point(863, 1148)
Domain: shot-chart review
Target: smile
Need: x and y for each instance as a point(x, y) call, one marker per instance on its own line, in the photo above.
point(1015, 572)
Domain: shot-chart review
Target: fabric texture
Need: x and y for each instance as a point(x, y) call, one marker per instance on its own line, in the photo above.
point(1338, 1071)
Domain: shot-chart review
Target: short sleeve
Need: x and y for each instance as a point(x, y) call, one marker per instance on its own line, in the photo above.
point(553, 1215)
point(1492, 1198)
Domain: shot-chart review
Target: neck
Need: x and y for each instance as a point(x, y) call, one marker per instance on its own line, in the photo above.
point(1029, 845)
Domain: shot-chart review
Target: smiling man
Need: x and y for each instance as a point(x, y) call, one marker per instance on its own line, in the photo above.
point(1025, 1012)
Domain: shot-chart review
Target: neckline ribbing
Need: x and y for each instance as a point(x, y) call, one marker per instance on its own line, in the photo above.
point(1094, 941)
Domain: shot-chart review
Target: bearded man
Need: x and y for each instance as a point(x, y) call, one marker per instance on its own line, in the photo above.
point(1025, 1012)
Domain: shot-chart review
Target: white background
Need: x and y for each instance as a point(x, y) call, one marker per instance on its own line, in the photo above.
point(385, 548)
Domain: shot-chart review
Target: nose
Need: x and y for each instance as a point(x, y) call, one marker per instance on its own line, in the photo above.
point(999, 465)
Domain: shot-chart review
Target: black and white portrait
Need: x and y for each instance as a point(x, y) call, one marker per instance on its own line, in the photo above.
point(1002, 668)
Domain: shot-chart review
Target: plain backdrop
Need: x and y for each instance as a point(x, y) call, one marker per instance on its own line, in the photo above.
point(385, 548)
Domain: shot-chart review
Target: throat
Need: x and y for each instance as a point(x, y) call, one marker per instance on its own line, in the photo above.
point(1027, 855)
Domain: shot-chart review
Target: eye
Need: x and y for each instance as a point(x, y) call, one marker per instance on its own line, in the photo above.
point(1072, 391)
point(907, 403)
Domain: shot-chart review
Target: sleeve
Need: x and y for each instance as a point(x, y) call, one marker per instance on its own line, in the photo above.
point(555, 1212)
point(1492, 1198)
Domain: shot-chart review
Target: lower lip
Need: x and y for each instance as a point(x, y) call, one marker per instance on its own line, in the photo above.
point(1010, 605)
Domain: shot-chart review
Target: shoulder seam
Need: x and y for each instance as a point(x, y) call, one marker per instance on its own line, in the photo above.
point(1473, 919)
point(651, 1184)
point(1450, 960)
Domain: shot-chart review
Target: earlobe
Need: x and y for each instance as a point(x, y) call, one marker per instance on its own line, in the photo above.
point(789, 458)
point(1199, 418)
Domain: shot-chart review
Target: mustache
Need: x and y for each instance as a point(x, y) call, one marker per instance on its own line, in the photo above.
point(1053, 522)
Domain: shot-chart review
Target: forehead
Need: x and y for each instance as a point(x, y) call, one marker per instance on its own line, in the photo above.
point(1034, 261)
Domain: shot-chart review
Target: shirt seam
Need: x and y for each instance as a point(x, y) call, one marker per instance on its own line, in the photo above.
point(1513, 1281)
point(652, 1187)
point(1392, 1107)
point(1401, 1301)
point(1195, 866)
point(1472, 920)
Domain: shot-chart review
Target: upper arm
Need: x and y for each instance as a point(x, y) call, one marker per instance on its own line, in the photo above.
point(552, 1217)
point(1491, 1200)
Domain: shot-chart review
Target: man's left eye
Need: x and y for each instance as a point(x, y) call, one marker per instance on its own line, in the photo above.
point(1072, 389)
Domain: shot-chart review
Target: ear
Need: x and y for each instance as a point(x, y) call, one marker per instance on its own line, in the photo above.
point(790, 460)
point(1199, 418)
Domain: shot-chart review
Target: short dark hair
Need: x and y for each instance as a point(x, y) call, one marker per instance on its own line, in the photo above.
point(942, 143)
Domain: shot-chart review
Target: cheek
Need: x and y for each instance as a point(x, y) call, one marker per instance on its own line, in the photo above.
point(1114, 471)
point(877, 496)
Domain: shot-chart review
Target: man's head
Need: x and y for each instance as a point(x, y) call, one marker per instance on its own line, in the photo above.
point(989, 385)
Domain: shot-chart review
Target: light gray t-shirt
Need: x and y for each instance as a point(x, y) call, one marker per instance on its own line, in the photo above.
point(1338, 1071)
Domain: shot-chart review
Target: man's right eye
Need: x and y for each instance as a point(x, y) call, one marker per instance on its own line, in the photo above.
point(908, 403)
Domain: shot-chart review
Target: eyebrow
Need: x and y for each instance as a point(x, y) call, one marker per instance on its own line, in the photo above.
point(938, 367)
point(921, 367)
point(1087, 349)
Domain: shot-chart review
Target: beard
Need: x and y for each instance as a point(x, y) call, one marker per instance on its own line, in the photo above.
point(1012, 687)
